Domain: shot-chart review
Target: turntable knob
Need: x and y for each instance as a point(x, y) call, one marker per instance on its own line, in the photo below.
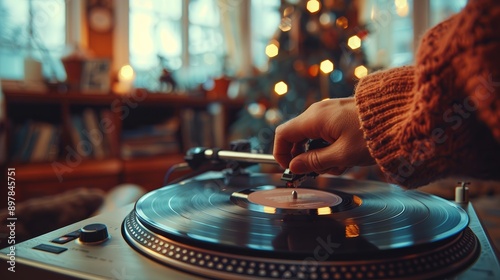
point(94, 234)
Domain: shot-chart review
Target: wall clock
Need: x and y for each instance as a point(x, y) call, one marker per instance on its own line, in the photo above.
point(100, 17)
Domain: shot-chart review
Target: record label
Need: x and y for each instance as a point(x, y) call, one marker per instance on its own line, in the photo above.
point(284, 198)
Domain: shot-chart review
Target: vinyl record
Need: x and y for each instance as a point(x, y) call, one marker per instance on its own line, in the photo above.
point(258, 216)
point(250, 226)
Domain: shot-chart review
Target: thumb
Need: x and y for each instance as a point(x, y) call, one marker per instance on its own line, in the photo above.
point(318, 160)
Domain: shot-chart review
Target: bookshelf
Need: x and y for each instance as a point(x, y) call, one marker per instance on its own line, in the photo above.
point(58, 141)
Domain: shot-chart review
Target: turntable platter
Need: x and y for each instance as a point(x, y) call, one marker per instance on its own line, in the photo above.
point(330, 220)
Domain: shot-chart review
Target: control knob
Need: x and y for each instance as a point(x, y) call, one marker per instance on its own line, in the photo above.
point(93, 234)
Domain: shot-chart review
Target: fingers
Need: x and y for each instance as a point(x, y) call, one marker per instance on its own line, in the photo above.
point(333, 158)
point(289, 140)
point(291, 136)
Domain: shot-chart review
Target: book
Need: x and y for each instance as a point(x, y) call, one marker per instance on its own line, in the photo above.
point(29, 143)
point(54, 149)
point(19, 138)
point(42, 143)
point(151, 139)
point(94, 133)
point(187, 130)
point(81, 143)
point(109, 132)
point(218, 123)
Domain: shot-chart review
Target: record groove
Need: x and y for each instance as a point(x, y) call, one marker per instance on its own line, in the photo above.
point(207, 212)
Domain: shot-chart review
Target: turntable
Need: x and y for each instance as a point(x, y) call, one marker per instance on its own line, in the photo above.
point(235, 224)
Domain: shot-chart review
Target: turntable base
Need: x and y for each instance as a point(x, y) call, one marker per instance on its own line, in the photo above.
point(144, 245)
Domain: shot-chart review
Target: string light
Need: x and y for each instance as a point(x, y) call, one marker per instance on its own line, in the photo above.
point(280, 88)
point(325, 19)
point(313, 70)
point(326, 66)
point(360, 71)
point(272, 49)
point(288, 11)
point(342, 22)
point(273, 116)
point(336, 76)
point(285, 24)
point(257, 110)
point(313, 6)
point(354, 42)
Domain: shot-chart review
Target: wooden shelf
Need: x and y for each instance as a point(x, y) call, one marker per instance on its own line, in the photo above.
point(140, 96)
point(59, 171)
point(183, 99)
point(50, 97)
point(125, 112)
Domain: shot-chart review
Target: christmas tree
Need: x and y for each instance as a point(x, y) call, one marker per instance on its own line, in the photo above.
point(315, 54)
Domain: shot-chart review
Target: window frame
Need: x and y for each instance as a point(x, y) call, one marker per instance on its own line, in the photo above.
point(75, 29)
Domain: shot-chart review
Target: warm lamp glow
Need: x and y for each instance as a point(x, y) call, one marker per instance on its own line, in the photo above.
point(125, 81)
point(280, 88)
point(354, 42)
point(360, 71)
point(272, 50)
point(126, 73)
point(326, 66)
point(313, 6)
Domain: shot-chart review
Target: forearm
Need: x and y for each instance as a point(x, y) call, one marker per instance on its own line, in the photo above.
point(441, 117)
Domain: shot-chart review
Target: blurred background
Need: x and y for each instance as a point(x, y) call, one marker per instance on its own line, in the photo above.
point(98, 93)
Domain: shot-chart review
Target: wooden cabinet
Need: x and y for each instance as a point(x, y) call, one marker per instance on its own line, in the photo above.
point(58, 141)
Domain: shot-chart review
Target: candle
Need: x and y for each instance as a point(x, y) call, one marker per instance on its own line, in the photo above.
point(125, 82)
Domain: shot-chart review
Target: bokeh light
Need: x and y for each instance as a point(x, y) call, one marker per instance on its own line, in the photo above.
point(342, 22)
point(354, 42)
point(326, 66)
point(360, 71)
point(281, 88)
point(313, 6)
point(272, 50)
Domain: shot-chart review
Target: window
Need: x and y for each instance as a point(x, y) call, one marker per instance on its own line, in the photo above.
point(440, 10)
point(156, 40)
point(265, 19)
point(197, 39)
point(393, 33)
point(32, 29)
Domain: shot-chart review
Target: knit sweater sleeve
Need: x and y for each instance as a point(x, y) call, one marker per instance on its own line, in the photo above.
point(440, 117)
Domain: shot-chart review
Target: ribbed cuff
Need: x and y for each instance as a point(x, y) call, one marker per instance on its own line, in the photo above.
point(384, 100)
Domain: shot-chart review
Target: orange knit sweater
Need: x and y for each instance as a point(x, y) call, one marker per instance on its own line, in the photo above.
point(440, 117)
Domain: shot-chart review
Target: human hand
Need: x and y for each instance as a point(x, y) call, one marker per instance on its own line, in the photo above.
point(334, 120)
